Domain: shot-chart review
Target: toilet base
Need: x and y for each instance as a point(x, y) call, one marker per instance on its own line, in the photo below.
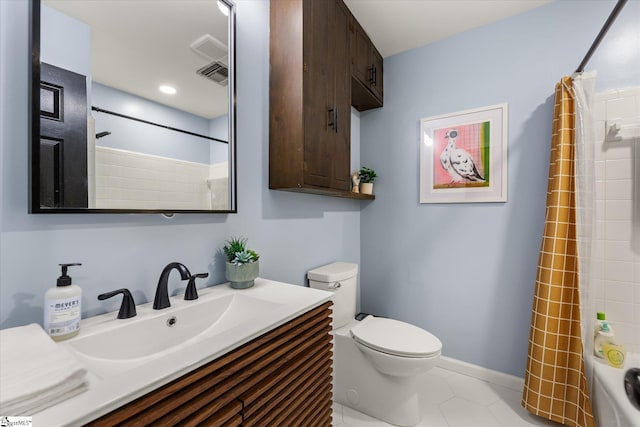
point(358, 385)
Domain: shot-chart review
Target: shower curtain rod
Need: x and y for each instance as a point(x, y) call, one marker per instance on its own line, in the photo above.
point(610, 20)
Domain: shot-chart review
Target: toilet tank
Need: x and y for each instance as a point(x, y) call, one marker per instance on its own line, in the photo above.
point(341, 278)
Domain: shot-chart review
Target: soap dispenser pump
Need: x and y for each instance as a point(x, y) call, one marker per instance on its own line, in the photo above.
point(62, 307)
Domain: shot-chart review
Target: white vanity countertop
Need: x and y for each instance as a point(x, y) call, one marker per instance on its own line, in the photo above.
point(124, 381)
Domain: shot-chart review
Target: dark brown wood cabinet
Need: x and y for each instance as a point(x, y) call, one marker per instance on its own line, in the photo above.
point(366, 70)
point(280, 378)
point(310, 97)
point(326, 113)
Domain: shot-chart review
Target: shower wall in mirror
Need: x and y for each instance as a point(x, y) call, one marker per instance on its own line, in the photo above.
point(134, 106)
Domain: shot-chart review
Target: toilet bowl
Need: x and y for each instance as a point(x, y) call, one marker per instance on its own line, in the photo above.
point(396, 348)
point(376, 360)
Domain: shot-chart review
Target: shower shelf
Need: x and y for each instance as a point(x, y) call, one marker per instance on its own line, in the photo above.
point(615, 132)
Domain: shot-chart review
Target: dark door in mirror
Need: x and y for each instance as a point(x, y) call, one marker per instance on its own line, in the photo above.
point(63, 138)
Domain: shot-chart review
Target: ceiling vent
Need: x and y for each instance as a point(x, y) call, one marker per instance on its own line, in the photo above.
point(216, 71)
point(209, 47)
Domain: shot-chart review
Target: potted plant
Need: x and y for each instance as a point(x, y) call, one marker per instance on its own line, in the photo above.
point(242, 265)
point(367, 176)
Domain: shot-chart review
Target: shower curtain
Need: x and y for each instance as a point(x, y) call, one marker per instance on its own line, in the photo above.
point(555, 383)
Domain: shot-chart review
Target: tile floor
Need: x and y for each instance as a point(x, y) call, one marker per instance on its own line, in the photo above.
point(450, 399)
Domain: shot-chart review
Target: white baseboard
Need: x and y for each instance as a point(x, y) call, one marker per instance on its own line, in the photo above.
point(475, 371)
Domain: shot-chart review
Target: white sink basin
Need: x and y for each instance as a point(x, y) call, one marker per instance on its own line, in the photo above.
point(127, 358)
point(165, 329)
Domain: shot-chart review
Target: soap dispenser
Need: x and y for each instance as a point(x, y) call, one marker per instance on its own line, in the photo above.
point(602, 337)
point(62, 307)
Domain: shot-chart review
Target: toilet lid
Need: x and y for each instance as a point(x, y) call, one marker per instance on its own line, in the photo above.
point(395, 337)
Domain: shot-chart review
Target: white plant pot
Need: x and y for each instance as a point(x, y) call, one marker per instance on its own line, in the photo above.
point(366, 187)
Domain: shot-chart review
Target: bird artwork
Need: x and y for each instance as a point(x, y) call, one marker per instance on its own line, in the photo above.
point(458, 162)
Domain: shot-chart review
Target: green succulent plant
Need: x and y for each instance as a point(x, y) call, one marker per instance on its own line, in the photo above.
point(367, 174)
point(237, 253)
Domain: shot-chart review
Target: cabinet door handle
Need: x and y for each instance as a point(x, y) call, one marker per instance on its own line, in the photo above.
point(331, 122)
point(372, 71)
point(375, 75)
point(335, 119)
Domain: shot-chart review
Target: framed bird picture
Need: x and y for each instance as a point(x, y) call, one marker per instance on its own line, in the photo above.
point(463, 156)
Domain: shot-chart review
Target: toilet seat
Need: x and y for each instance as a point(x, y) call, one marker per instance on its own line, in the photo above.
point(396, 338)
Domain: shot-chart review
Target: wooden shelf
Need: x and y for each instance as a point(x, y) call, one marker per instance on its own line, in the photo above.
point(329, 192)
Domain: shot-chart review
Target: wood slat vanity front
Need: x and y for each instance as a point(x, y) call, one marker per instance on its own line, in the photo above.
point(280, 378)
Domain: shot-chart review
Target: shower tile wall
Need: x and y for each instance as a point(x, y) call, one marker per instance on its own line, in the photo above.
point(126, 179)
point(617, 234)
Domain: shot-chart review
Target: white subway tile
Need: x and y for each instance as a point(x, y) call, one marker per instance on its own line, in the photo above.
point(618, 189)
point(600, 228)
point(618, 210)
point(619, 291)
point(619, 311)
point(626, 334)
point(599, 109)
point(598, 249)
point(599, 170)
point(618, 271)
point(597, 269)
point(605, 96)
point(599, 303)
point(620, 294)
point(601, 209)
point(600, 190)
point(618, 169)
point(617, 230)
point(618, 250)
point(620, 108)
point(599, 148)
point(618, 151)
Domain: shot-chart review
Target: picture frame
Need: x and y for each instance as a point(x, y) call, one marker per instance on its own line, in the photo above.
point(463, 156)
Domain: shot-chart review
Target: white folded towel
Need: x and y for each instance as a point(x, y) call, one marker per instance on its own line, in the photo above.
point(35, 372)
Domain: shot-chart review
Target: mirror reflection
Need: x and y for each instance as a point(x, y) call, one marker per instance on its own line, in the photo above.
point(135, 100)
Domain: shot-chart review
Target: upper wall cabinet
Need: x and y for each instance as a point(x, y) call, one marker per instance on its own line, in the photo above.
point(366, 70)
point(309, 114)
point(310, 97)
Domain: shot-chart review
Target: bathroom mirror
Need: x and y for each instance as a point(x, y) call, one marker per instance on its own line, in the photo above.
point(133, 106)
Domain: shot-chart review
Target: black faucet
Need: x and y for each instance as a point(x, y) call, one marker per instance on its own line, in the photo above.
point(128, 306)
point(162, 294)
point(191, 292)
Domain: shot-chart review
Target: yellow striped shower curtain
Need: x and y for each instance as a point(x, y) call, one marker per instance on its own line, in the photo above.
point(555, 386)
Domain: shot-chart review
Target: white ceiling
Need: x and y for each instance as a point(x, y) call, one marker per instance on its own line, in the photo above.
point(398, 25)
point(138, 45)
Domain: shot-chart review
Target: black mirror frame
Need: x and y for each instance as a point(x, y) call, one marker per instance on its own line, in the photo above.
point(34, 125)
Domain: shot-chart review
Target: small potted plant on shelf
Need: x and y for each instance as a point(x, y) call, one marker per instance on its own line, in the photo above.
point(367, 176)
point(242, 265)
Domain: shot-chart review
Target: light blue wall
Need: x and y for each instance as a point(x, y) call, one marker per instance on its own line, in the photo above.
point(140, 137)
point(65, 42)
point(219, 128)
point(466, 272)
point(292, 232)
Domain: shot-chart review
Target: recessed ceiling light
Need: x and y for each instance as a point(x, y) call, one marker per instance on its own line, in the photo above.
point(223, 8)
point(169, 90)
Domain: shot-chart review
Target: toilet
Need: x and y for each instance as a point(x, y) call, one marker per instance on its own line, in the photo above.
point(376, 360)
